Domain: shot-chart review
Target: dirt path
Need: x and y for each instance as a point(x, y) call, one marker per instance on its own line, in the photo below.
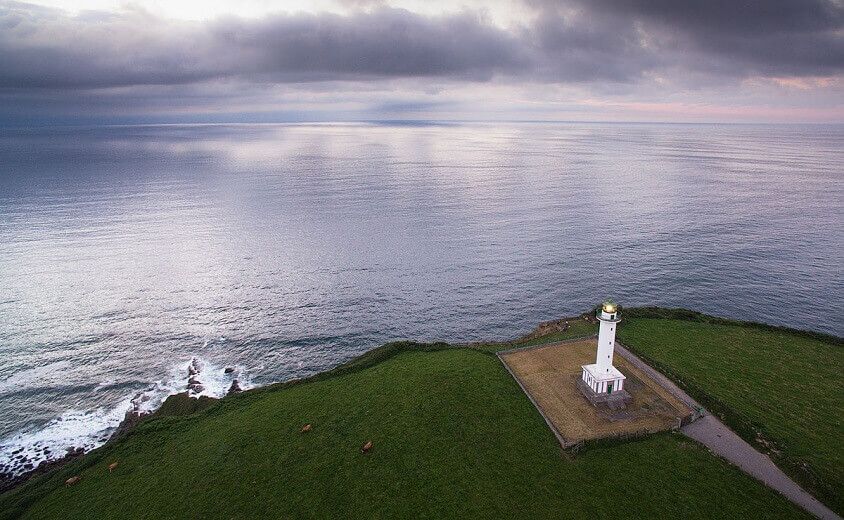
point(722, 441)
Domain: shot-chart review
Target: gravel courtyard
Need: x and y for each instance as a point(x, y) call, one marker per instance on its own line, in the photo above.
point(549, 375)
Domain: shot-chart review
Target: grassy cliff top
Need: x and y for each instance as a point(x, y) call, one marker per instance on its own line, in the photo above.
point(453, 437)
point(780, 389)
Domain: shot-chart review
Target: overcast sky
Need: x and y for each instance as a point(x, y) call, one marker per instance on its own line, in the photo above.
point(84, 61)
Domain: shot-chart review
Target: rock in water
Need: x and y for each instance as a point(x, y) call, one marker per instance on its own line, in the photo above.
point(193, 367)
point(138, 400)
point(195, 385)
point(228, 370)
point(235, 388)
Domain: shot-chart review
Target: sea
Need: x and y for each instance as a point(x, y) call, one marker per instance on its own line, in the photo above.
point(280, 250)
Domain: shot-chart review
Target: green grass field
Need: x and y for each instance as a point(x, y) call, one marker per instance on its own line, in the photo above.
point(454, 437)
point(781, 390)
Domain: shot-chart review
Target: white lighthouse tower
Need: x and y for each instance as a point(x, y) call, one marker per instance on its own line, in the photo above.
point(601, 381)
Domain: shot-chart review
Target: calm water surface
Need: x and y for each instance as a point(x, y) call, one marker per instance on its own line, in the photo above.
point(282, 250)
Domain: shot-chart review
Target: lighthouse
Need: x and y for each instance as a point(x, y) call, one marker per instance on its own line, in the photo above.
point(601, 381)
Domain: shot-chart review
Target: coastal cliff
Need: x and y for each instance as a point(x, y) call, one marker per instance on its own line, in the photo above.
point(450, 435)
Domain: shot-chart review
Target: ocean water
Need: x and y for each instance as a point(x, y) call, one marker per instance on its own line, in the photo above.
point(283, 250)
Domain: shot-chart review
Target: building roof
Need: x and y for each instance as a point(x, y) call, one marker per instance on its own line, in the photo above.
point(601, 374)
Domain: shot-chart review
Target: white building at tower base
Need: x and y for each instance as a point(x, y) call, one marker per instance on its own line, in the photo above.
point(603, 381)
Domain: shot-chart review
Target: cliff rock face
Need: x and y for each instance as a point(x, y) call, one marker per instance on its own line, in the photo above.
point(549, 327)
point(235, 387)
point(182, 404)
point(195, 386)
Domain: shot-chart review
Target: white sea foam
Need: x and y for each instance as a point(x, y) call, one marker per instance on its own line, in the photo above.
point(89, 429)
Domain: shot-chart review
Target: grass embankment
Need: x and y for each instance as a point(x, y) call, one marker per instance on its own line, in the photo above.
point(578, 328)
point(454, 437)
point(782, 390)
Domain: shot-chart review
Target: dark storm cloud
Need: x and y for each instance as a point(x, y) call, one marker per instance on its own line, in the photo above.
point(581, 46)
point(385, 42)
point(570, 41)
point(107, 64)
point(726, 37)
point(742, 17)
point(43, 48)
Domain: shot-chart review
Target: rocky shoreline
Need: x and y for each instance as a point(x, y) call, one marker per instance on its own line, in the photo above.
point(11, 478)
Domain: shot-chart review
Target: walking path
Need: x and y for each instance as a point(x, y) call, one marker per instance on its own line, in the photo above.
point(722, 441)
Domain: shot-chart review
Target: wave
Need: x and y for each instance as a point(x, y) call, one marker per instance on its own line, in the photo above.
point(90, 429)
